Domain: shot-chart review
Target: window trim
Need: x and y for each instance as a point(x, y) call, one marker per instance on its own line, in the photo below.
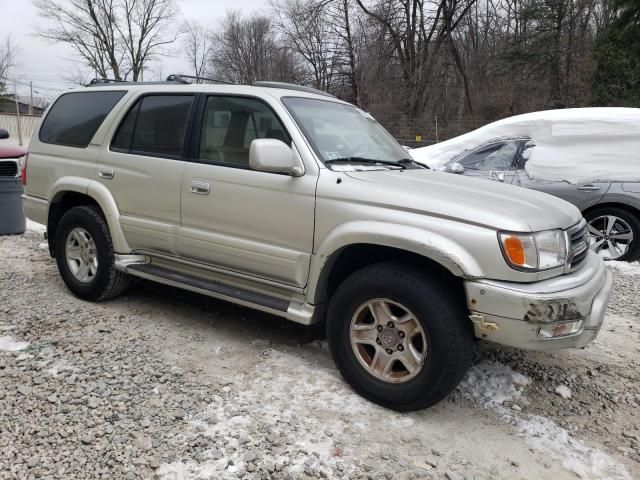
point(137, 103)
point(123, 94)
point(199, 127)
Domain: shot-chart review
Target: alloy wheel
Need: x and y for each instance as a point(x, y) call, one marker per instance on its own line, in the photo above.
point(388, 340)
point(81, 255)
point(611, 236)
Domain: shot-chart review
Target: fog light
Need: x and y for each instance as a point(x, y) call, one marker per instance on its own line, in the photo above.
point(560, 329)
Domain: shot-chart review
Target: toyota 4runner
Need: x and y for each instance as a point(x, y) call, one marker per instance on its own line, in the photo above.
point(290, 201)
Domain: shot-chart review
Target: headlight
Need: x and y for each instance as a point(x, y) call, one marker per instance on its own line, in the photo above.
point(534, 251)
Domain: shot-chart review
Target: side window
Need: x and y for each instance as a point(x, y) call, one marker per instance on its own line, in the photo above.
point(494, 157)
point(155, 125)
point(230, 124)
point(75, 117)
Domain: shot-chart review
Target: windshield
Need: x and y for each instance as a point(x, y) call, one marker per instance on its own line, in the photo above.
point(343, 134)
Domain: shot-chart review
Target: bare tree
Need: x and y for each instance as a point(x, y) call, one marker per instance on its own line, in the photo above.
point(8, 53)
point(116, 38)
point(418, 31)
point(304, 26)
point(247, 49)
point(198, 44)
point(145, 30)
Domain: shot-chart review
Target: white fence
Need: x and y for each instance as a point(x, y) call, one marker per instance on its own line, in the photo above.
point(28, 124)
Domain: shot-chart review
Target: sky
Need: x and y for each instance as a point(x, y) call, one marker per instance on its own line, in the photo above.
point(49, 65)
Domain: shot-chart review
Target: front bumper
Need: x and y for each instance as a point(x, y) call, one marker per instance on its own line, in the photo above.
point(513, 314)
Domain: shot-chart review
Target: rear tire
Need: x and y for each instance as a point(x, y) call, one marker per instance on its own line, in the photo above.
point(415, 303)
point(626, 222)
point(85, 257)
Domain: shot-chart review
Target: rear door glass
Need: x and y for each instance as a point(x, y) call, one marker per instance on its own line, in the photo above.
point(75, 117)
point(156, 125)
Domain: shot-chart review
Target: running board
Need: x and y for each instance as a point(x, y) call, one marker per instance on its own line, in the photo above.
point(219, 290)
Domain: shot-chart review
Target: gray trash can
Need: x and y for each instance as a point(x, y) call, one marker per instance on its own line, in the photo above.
point(12, 219)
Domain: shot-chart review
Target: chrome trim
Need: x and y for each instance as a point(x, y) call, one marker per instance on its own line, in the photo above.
point(123, 261)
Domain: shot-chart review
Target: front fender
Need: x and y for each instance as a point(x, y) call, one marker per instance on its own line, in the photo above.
point(103, 198)
point(451, 255)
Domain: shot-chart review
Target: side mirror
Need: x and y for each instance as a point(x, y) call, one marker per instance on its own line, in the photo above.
point(454, 167)
point(271, 155)
point(3, 134)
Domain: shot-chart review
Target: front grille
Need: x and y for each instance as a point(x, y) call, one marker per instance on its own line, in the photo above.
point(8, 169)
point(578, 245)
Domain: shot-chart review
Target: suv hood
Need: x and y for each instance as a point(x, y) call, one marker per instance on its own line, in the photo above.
point(476, 201)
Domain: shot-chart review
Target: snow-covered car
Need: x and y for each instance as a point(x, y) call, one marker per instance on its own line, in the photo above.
point(587, 156)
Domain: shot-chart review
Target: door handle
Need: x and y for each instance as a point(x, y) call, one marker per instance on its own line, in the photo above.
point(201, 188)
point(589, 188)
point(106, 173)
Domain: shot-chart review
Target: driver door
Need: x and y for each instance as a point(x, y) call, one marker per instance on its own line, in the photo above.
point(256, 223)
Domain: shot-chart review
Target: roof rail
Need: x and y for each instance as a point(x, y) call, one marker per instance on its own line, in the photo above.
point(105, 82)
point(102, 81)
point(185, 79)
point(291, 86)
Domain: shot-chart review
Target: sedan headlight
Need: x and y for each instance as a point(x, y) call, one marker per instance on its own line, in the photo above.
point(534, 251)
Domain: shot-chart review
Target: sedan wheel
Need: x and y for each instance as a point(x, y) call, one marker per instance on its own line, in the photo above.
point(611, 236)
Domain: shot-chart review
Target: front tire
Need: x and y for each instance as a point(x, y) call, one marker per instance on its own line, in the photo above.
point(615, 233)
point(399, 338)
point(85, 257)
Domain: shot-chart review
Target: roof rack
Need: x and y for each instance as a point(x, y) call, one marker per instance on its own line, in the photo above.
point(291, 86)
point(185, 79)
point(105, 82)
point(102, 81)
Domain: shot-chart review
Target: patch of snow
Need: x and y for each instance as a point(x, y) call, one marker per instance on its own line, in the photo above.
point(236, 420)
point(563, 391)
point(8, 344)
point(35, 227)
point(59, 367)
point(544, 435)
point(493, 384)
point(625, 268)
point(43, 246)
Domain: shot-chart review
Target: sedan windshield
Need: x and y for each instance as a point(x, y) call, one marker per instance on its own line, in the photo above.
point(345, 137)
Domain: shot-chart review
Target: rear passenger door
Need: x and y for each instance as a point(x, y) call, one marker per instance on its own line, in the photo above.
point(142, 168)
point(256, 223)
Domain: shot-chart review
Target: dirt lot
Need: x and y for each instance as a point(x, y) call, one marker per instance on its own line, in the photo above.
point(161, 383)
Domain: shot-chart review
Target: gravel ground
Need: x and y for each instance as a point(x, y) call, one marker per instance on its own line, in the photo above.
point(166, 384)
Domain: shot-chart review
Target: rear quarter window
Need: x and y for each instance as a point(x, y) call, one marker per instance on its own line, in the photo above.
point(75, 117)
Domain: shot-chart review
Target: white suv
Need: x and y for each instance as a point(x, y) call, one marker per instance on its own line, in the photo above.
point(295, 203)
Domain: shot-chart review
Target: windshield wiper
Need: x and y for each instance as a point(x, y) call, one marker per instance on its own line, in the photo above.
point(411, 161)
point(372, 161)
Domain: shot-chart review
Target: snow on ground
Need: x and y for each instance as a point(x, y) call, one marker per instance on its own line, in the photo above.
point(586, 462)
point(231, 420)
point(625, 268)
point(9, 344)
point(492, 384)
point(35, 227)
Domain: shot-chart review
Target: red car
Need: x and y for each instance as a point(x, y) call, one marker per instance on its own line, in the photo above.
point(10, 155)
